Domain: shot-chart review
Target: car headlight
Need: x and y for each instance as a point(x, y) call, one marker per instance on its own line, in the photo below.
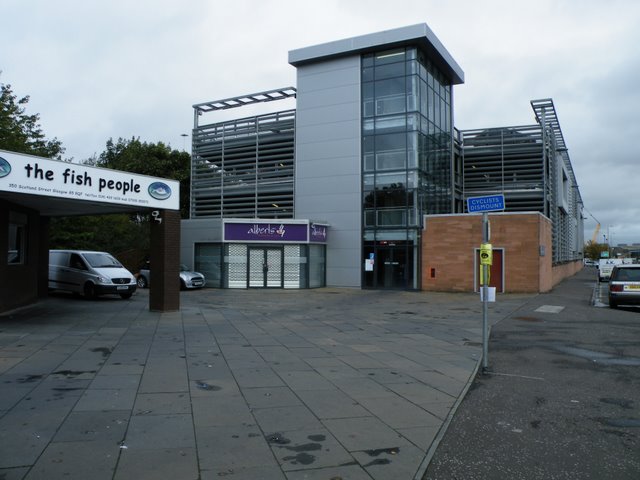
point(103, 280)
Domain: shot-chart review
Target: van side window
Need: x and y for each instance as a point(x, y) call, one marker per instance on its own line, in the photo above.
point(76, 262)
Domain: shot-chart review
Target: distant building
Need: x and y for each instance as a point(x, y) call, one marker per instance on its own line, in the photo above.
point(530, 165)
point(336, 191)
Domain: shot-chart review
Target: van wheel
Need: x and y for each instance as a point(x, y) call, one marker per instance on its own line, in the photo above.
point(89, 290)
point(126, 296)
point(142, 282)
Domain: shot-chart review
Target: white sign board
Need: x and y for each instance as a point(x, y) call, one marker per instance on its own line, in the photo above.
point(52, 178)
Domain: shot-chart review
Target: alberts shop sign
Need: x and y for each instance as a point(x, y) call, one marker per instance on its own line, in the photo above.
point(274, 231)
point(43, 176)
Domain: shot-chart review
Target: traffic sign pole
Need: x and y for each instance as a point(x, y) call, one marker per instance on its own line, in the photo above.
point(485, 297)
point(485, 204)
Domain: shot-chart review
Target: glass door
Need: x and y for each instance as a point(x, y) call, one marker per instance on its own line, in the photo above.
point(389, 267)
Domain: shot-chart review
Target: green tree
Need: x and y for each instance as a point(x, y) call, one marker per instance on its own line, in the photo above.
point(154, 159)
point(20, 132)
point(593, 250)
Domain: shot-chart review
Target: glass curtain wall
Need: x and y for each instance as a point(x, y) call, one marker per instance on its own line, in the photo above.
point(406, 161)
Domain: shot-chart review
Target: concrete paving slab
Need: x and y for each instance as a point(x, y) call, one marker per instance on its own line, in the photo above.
point(221, 410)
point(365, 433)
point(197, 392)
point(154, 464)
point(395, 462)
point(279, 419)
point(351, 472)
point(269, 397)
point(160, 431)
point(95, 426)
point(307, 449)
point(162, 403)
point(332, 403)
point(224, 450)
point(399, 413)
point(76, 460)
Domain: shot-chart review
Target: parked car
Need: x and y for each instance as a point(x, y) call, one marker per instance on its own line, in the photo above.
point(89, 273)
point(188, 278)
point(624, 285)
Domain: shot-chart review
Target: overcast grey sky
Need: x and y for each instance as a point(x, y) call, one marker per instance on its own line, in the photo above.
point(119, 68)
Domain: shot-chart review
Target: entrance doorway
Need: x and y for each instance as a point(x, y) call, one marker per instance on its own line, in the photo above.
point(392, 266)
point(265, 267)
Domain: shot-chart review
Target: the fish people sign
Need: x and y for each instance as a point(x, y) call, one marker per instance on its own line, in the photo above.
point(42, 176)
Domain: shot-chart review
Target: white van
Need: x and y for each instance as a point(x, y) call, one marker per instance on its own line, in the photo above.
point(89, 273)
point(605, 267)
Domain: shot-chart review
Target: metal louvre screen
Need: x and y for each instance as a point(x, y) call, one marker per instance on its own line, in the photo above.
point(506, 160)
point(236, 265)
point(244, 168)
point(294, 265)
point(274, 271)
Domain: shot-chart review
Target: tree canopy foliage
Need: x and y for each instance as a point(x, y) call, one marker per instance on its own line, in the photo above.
point(593, 250)
point(20, 132)
point(153, 159)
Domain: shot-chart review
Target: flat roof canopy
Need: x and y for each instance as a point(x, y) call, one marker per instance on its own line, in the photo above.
point(419, 34)
point(56, 188)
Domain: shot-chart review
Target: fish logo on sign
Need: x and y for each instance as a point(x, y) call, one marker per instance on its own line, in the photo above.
point(159, 190)
point(5, 167)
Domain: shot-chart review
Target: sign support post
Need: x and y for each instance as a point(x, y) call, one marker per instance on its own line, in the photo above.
point(489, 203)
point(485, 297)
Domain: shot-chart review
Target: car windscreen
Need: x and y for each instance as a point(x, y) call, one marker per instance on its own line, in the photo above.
point(627, 275)
point(101, 260)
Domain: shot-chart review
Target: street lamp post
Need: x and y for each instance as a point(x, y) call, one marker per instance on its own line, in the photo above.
point(184, 139)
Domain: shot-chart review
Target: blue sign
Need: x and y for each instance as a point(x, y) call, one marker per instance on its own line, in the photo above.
point(489, 203)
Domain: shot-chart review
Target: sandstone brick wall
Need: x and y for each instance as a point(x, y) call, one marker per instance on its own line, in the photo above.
point(449, 243)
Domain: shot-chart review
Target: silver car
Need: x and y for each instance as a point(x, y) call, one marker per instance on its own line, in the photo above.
point(188, 278)
point(624, 285)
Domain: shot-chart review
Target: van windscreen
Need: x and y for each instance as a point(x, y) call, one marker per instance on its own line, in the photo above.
point(101, 260)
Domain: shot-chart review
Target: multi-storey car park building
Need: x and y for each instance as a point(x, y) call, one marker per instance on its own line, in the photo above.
point(342, 190)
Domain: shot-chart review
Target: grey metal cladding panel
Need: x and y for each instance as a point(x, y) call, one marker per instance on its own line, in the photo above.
point(328, 184)
point(201, 230)
point(343, 276)
point(328, 79)
point(339, 95)
point(320, 170)
point(344, 148)
point(348, 111)
point(318, 206)
point(419, 33)
point(328, 132)
point(333, 64)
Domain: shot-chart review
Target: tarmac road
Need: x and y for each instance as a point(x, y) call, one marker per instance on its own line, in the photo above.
point(561, 398)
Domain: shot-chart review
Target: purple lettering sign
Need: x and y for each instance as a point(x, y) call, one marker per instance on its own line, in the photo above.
point(317, 233)
point(265, 232)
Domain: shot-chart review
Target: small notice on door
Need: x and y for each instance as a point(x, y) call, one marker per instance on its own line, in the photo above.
point(368, 265)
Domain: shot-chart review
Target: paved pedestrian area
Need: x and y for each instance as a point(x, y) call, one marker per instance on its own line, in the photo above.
point(240, 384)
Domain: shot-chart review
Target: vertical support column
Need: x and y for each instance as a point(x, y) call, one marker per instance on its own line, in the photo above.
point(43, 256)
point(164, 291)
